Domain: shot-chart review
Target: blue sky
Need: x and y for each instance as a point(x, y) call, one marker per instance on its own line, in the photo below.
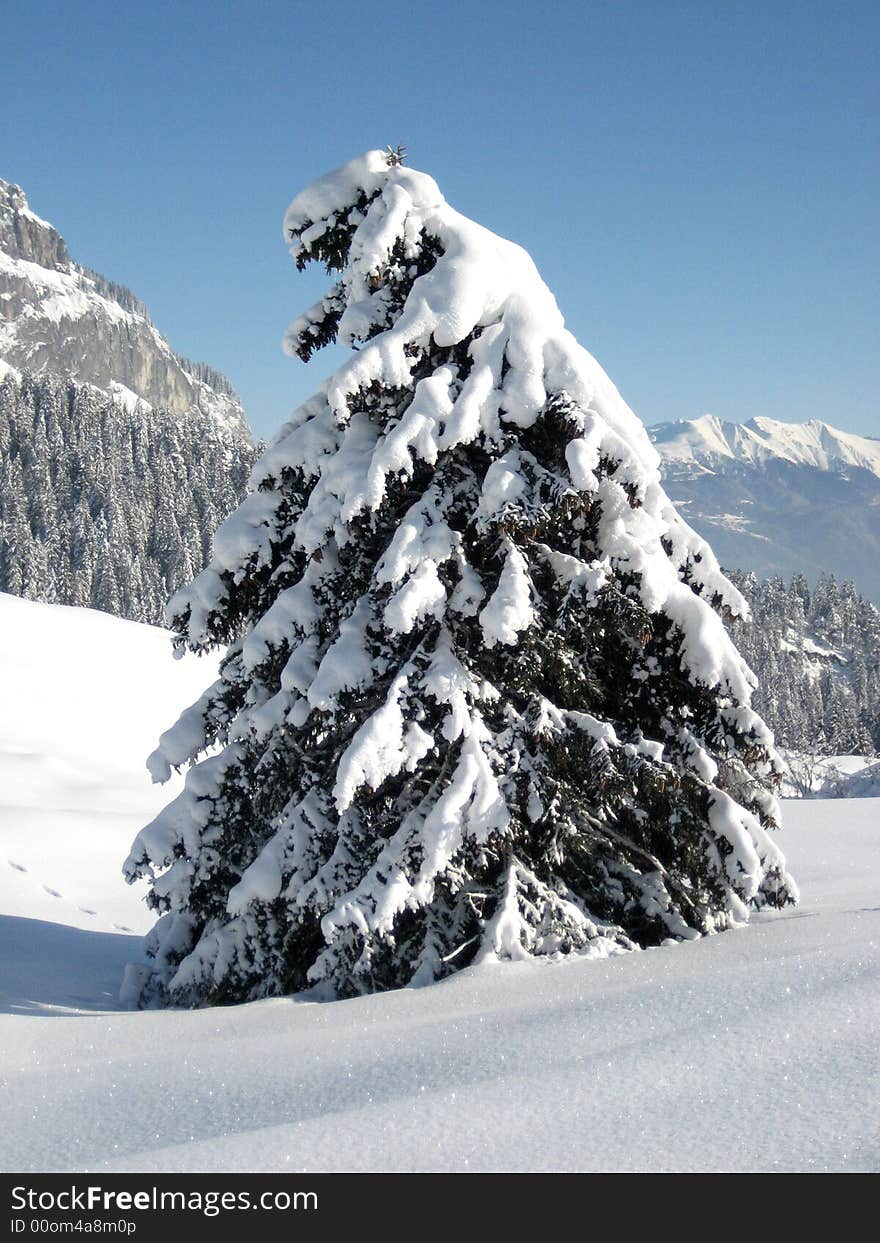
point(696, 179)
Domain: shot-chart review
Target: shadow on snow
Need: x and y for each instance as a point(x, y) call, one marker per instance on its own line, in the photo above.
point(50, 969)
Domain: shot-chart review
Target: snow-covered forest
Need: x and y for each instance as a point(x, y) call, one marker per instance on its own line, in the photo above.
point(816, 653)
point(105, 504)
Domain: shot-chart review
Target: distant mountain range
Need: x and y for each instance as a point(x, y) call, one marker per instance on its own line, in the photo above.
point(778, 498)
point(60, 318)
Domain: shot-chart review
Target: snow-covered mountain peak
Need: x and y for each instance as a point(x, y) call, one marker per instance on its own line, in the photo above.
point(25, 235)
point(59, 317)
point(691, 440)
point(707, 441)
point(776, 497)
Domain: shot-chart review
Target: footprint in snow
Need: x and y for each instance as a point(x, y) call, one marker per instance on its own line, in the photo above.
point(53, 893)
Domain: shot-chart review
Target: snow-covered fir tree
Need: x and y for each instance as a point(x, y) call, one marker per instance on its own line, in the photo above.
point(106, 506)
point(816, 653)
point(477, 698)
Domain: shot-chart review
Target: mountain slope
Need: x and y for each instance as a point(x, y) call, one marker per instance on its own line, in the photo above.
point(779, 498)
point(104, 505)
point(707, 441)
point(60, 317)
point(85, 699)
point(118, 457)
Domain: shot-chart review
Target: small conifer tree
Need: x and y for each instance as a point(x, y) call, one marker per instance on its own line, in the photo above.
point(477, 698)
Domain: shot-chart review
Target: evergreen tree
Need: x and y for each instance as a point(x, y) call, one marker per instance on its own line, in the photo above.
point(477, 697)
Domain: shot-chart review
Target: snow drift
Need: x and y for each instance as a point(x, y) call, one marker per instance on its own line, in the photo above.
point(84, 695)
point(664, 1060)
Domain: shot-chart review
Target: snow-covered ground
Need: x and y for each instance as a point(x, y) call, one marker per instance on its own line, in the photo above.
point(84, 699)
point(756, 1049)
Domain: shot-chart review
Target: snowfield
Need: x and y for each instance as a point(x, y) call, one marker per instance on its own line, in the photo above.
point(752, 1050)
point(85, 697)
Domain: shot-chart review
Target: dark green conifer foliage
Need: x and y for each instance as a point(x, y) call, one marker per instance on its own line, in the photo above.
point(477, 697)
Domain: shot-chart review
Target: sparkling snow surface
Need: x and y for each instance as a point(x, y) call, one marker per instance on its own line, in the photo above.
point(755, 1049)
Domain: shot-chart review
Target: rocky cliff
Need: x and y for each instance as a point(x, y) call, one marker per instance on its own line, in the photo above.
point(59, 317)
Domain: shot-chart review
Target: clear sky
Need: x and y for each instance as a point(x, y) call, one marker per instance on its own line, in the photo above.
point(697, 180)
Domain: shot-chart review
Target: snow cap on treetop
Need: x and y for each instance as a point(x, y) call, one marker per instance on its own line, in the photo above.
point(337, 191)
